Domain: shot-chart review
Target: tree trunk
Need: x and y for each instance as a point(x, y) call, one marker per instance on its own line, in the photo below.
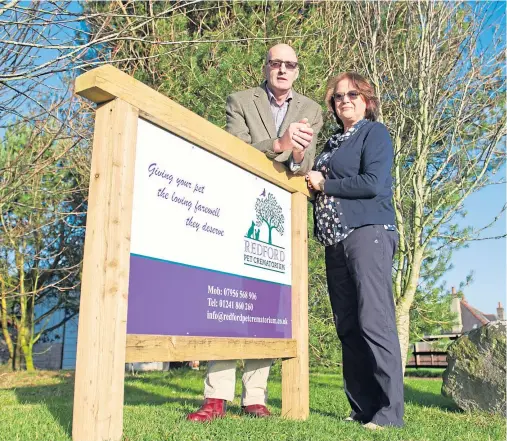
point(4, 324)
point(24, 322)
point(404, 304)
point(25, 346)
point(403, 324)
point(28, 355)
point(16, 361)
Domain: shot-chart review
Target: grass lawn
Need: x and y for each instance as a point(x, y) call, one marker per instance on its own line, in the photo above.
point(38, 406)
point(424, 372)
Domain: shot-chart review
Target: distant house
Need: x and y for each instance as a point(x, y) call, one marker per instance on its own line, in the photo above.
point(469, 318)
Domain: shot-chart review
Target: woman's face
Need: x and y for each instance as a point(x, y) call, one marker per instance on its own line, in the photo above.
point(349, 104)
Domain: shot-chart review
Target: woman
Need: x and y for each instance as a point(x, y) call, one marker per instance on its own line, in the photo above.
point(354, 219)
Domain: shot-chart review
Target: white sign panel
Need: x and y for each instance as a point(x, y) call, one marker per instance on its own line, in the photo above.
point(195, 208)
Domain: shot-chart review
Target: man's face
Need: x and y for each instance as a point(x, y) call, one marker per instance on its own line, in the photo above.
point(280, 76)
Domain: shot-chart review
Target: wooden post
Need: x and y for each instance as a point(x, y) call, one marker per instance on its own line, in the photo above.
point(100, 363)
point(295, 376)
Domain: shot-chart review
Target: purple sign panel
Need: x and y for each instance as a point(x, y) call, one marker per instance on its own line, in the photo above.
point(167, 298)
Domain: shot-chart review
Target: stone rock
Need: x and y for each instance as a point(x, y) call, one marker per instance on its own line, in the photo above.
point(475, 375)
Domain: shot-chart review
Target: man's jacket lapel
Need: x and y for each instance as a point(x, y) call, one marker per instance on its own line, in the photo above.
point(262, 103)
point(292, 112)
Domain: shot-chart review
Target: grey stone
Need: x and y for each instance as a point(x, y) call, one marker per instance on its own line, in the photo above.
point(475, 375)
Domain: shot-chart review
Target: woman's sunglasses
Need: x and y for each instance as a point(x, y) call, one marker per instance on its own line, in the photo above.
point(353, 94)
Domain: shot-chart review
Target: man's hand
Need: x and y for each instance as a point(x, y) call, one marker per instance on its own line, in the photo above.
point(296, 138)
point(315, 180)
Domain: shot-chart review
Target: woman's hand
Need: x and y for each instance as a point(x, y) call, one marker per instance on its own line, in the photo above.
point(315, 180)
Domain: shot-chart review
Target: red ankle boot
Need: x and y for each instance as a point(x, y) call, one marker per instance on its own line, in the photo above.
point(256, 410)
point(212, 408)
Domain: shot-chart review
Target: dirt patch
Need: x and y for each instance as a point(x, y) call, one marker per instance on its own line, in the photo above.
point(10, 379)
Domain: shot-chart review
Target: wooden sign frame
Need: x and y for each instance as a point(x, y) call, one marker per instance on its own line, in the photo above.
point(103, 344)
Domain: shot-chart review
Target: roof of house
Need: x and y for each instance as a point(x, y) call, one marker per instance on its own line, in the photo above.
point(473, 318)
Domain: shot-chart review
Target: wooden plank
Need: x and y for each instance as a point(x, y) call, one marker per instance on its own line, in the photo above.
point(105, 82)
point(100, 363)
point(426, 353)
point(295, 376)
point(175, 348)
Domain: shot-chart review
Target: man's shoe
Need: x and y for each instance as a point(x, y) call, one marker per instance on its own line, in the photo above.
point(256, 410)
point(372, 426)
point(212, 408)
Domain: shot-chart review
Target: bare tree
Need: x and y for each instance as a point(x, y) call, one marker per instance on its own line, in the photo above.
point(443, 99)
point(41, 235)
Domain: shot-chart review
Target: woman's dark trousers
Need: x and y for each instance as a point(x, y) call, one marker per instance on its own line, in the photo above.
point(359, 277)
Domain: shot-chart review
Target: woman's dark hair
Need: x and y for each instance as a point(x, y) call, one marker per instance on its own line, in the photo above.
point(363, 87)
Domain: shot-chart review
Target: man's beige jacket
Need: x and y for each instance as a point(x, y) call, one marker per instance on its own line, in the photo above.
point(249, 118)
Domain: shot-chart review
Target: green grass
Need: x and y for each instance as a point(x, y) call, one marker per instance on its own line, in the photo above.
point(424, 372)
point(39, 407)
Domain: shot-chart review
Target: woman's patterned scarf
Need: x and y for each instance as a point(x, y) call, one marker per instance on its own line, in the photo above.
point(334, 142)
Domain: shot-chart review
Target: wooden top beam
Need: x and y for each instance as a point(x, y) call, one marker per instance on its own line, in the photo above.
point(106, 83)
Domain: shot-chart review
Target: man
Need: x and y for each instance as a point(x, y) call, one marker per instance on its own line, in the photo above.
point(276, 120)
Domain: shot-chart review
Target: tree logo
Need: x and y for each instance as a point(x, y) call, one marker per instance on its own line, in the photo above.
point(260, 251)
point(269, 213)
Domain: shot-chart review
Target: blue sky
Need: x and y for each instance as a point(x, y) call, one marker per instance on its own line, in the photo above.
point(487, 259)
